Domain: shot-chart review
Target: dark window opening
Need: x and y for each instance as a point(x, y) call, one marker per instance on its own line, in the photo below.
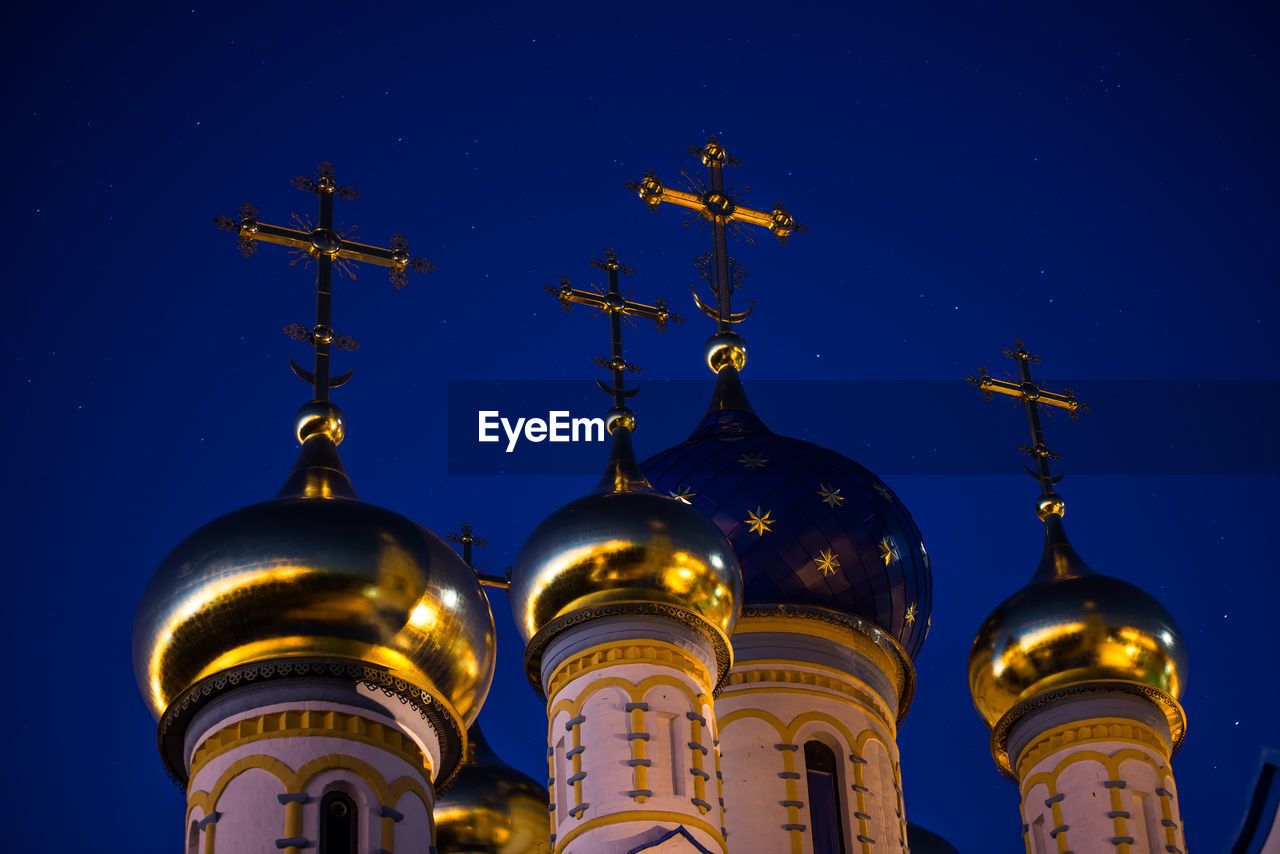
point(337, 824)
point(824, 799)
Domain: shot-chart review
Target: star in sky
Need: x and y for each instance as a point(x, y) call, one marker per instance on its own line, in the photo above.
point(683, 493)
point(827, 562)
point(752, 461)
point(830, 497)
point(889, 551)
point(760, 521)
point(911, 614)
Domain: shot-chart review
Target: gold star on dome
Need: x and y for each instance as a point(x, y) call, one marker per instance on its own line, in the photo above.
point(830, 497)
point(827, 562)
point(911, 614)
point(889, 551)
point(752, 461)
point(760, 521)
point(683, 493)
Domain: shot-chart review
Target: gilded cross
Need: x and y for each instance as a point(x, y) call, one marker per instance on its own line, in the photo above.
point(467, 539)
point(613, 303)
point(1032, 398)
point(719, 206)
point(329, 248)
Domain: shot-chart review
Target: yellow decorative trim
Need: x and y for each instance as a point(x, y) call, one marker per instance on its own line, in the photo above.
point(639, 753)
point(1111, 763)
point(858, 642)
point(1173, 712)
point(641, 816)
point(789, 734)
point(864, 825)
point(788, 673)
point(881, 648)
point(296, 781)
point(793, 797)
point(1088, 731)
point(690, 619)
point(695, 758)
point(325, 724)
point(577, 768)
point(635, 691)
point(1117, 807)
point(1167, 812)
point(606, 655)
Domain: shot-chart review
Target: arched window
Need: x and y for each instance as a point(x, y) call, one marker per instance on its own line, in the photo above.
point(193, 838)
point(824, 799)
point(337, 824)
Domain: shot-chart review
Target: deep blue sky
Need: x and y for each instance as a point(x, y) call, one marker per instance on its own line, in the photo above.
point(1099, 179)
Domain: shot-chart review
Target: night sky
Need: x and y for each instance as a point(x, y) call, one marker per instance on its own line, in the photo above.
point(1098, 179)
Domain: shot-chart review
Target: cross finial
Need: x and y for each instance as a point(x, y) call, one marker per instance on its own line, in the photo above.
point(612, 302)
point(720, 207)
point(467, 539)
point(1032, 398)
point(330, 248)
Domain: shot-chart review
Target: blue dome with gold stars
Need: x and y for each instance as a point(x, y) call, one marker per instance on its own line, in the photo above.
point(810, 527)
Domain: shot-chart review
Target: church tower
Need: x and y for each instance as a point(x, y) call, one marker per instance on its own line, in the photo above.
point(626, 599)
point(313, 660)
point(836, 592)
point(1078, 675)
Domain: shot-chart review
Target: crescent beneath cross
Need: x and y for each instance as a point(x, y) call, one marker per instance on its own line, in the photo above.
point(308, 377)
point(714, 313)
point(626, 392)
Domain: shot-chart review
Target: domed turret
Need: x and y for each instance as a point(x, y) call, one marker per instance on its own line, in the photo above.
point(624, 547)
point(313, 574)
point(810, 526)
point(491, 808)
point(1076, 669)
point(626, 599)
point(1070, 626)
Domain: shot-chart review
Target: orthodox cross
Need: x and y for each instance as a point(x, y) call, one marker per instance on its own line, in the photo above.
point(1032, 398)
point(467, 539)
point(330, 248)
point(718, 206)
point(616, 306)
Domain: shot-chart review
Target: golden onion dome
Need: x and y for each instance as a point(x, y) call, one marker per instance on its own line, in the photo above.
point(315, 574)
point(625, 547)
point(491, 808)
point(1070, 626)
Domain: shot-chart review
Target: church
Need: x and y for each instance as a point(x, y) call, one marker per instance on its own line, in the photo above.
point(724, 635)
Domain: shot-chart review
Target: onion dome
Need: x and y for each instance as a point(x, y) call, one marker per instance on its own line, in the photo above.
point(315, 574)
point(1069, 629)
point(810, 526)
point(624, 548)
point(491, 808)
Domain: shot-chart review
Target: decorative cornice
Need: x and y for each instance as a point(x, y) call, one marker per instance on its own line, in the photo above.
point(1173, 713)
point(605, 655)
point(1086, 732)
point(690, 619)
point(761, 678)
point(901, 669)
point(432, 707)
point(308, 722)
